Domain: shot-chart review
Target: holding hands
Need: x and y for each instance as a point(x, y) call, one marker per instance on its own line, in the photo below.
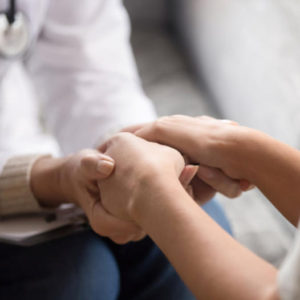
point(74, 179)
point(207, 142)
point(143, 166)
point(192, 152)
point(139, 179)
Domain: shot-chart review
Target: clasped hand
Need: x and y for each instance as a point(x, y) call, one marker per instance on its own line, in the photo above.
point(146, 166)
point(178, 150)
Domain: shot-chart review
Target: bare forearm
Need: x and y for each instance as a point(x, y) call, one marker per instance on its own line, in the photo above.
point(212, 264)
point(273, 167)
point(240, 152)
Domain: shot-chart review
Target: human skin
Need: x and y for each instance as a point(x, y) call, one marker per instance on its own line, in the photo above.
point(212, 263)
point(73, 179)
point(208, 179)
point(239, 152)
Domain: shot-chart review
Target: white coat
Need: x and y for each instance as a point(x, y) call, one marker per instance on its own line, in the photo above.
point(80, 68)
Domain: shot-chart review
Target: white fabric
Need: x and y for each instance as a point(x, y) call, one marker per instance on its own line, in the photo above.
point(289, 273)
point(81, 69)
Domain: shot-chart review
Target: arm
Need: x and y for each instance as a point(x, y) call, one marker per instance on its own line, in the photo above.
point(148, 191)
point(212, 264)
point(240, 152)
point(272, 166)
point(85, 74)
point(73, 179)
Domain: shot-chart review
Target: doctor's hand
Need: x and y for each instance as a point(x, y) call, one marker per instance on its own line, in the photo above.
point(204, 141)
point(141, 167)
point(74, 179)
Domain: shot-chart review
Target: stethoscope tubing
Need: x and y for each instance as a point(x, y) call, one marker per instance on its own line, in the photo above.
point(11, 11)
point(14, 32)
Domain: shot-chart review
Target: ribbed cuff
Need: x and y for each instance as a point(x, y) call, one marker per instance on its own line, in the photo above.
point(15, 193)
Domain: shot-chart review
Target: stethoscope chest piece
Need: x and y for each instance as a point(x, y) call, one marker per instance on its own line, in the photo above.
point(14, 37)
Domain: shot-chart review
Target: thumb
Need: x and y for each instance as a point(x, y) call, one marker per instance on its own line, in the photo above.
point(96, 165)
point(187, 174)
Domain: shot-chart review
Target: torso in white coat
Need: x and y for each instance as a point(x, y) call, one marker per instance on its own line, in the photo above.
point(80, 65)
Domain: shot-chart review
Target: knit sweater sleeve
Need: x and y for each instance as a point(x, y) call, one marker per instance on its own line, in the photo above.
point(16, 196)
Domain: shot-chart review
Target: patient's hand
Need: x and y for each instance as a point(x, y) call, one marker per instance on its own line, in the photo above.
point(141, 166)
point(200, 140)
point(207, 181)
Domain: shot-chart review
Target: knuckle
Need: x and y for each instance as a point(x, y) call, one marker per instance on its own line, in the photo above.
point(123, 135)
point(120, 137)
point(159, 125)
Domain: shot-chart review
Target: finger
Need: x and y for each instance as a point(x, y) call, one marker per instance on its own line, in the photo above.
point(190, 191)
point(104, 223)
point(219, 181)
point(175, 131)
point(139, 237)
point(202, 192)
point(205, 117)
point(122, 239)
point(108, 225)
point(225, 121)
point(230, 122)
point(96, 165)
point(108, 143)
point(134, 128)
point(103, 147)
point(245, 185)
point(187, 174)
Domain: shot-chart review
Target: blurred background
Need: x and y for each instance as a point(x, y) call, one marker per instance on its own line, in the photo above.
point(234, 59)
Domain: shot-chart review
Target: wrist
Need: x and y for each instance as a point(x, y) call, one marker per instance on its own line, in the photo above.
point(235, 150)
point(45, 181)
point(151, 194)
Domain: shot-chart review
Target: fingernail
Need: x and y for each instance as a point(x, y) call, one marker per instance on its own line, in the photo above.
point(245, 185)
point(105, 167)
point(233, 193)
point(107, 158)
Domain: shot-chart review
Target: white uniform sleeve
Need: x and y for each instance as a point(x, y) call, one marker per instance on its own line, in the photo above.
point(289, 273)
point(85, 73)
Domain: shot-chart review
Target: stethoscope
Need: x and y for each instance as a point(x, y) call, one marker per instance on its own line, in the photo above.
point(14, 32)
